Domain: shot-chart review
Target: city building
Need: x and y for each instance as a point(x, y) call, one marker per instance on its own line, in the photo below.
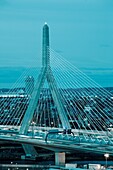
point(29, 84)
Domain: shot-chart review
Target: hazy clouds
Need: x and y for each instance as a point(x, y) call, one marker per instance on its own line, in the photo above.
point(81, 29)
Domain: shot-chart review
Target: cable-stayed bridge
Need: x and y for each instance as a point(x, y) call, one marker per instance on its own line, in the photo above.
point(64, 111)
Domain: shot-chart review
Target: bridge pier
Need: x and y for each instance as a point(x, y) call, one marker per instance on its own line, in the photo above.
point(60, 158)
point(30, 150)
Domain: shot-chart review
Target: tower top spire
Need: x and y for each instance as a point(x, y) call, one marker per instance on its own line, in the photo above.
point(45, 46)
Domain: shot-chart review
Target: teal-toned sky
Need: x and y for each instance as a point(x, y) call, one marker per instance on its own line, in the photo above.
point(80, 30)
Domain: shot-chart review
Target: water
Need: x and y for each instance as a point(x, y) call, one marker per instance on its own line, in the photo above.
point(103, 80)
point(103, 76)
point(10, 75)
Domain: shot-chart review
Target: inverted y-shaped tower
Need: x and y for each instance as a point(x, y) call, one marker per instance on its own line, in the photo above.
point(46, 73)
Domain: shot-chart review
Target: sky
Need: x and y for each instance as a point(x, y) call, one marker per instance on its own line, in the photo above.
point(80, 30)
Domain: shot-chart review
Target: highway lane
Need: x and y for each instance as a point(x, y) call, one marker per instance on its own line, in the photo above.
point(38, 129)
point(59, 145)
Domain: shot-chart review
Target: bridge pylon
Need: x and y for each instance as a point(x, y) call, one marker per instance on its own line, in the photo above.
point(45, 74)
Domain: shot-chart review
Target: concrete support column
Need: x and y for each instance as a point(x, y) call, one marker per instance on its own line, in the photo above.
point(60, 158)
point(30, 150)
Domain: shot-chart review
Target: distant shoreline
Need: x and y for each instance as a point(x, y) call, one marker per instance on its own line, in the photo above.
point(10, 75)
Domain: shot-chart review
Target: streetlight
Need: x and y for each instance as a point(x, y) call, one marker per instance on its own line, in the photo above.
point(33, 123)
point(106, 155)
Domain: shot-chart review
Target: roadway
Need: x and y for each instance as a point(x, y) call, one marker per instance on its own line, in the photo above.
point(62, 142)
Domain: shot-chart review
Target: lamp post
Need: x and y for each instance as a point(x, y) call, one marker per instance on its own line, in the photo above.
point(106, 155)
point(33, 123)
